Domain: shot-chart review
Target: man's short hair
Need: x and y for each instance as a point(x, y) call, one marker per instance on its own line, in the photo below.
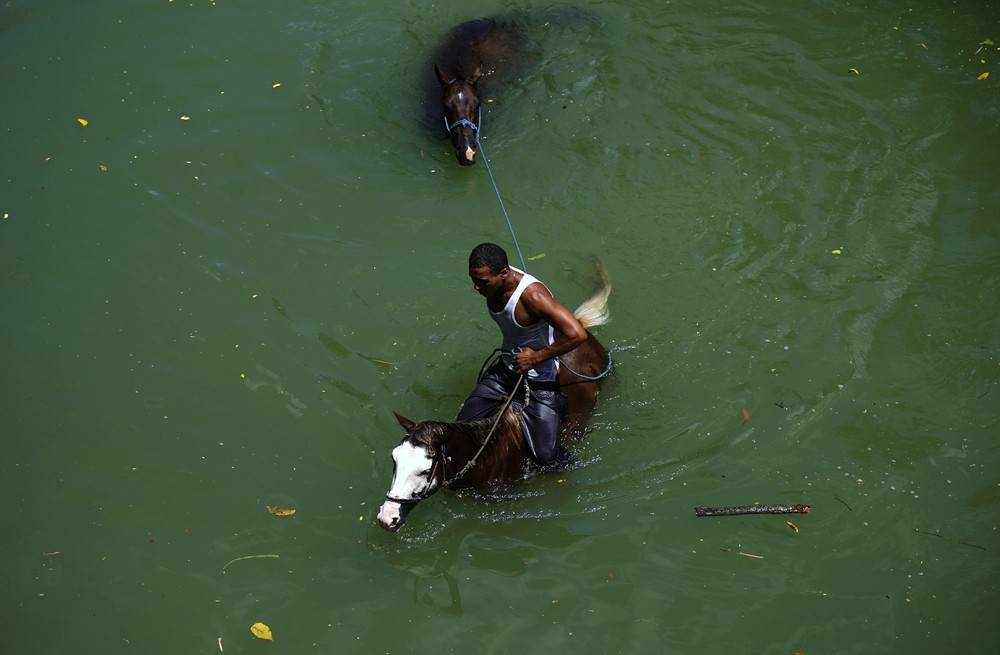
point(490, 255)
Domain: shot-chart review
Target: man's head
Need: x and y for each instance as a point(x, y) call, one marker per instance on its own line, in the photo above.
point(488, 269)
point(489, 255)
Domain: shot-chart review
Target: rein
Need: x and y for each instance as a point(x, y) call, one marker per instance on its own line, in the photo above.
point(472, 462)
point(440, 461)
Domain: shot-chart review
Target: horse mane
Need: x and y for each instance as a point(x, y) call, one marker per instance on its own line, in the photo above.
point(506, 437)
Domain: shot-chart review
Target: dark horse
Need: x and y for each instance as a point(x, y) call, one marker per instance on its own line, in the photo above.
point(478, 51)
point(488, 452)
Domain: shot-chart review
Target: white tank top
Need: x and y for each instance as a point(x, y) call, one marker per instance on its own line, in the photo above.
point(536, 336)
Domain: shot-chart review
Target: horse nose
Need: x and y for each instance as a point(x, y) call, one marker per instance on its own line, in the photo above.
point(469, 153)
point(391, 518)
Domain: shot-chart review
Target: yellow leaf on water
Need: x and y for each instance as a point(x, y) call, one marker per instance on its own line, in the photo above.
point(278, 511)
point(261, 631)
point(792, 526)
point(853, 70)
point(746, 414)
point(82, 121)
point(983, 76)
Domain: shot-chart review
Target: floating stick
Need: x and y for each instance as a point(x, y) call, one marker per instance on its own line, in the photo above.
point(957, 541)
point(752, 509)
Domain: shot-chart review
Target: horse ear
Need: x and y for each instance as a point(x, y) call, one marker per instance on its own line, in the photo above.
point(442, 78)
point(476, 74)
point(405, 422)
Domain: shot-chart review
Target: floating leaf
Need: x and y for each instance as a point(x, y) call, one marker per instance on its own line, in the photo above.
point(746, 414)
point(853, 70)
point(82, 121)
point(261, 631)
point(278, 511)
point(103, 168)
point(983, 76)
point(792, 526)
point(276, 85)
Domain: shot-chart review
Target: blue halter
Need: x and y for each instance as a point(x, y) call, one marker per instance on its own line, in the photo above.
point(466, 122)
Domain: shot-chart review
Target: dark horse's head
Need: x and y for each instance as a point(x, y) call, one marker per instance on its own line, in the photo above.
point(460, 98)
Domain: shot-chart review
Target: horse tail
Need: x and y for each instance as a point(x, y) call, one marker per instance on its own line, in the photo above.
point(594, 311)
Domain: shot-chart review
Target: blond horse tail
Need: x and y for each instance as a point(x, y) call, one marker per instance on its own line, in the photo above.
point(594, 311)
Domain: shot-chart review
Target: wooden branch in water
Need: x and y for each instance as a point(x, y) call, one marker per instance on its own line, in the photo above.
point(947, 538)
point(752, 509)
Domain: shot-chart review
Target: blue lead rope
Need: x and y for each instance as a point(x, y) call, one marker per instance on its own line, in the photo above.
point(607, 371)
point(486, 161)
point(475, 128)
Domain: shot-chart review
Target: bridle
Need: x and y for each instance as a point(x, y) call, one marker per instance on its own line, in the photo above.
point(440, 459)
point(438, 464)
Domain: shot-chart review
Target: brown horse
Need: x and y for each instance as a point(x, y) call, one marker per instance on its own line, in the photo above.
point(483, 50)
point(488, 452)
point(478, 58)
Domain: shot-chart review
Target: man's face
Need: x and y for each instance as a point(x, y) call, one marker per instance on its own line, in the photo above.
point(485, 283)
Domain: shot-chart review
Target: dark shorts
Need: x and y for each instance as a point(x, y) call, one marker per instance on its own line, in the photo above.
point(540, 421)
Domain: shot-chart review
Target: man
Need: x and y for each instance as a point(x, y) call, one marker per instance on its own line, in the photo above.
point(528, 317)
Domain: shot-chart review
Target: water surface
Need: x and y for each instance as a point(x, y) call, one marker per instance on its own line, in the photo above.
point(218, 290)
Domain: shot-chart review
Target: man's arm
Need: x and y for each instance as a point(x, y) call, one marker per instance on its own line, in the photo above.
point(540, 305)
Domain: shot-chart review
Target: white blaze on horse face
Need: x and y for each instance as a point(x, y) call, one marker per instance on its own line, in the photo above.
point(411, 480)
point(413, 470)
point(469, 153)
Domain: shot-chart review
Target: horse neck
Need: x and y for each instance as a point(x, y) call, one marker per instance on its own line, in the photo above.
point(501, 458)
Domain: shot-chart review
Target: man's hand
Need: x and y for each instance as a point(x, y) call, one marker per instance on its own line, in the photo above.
point(526, 360)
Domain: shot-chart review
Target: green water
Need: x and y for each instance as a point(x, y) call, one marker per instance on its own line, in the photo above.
point(274, 260)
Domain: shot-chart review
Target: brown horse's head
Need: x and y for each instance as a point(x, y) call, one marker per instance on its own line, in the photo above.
point(460, 98)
